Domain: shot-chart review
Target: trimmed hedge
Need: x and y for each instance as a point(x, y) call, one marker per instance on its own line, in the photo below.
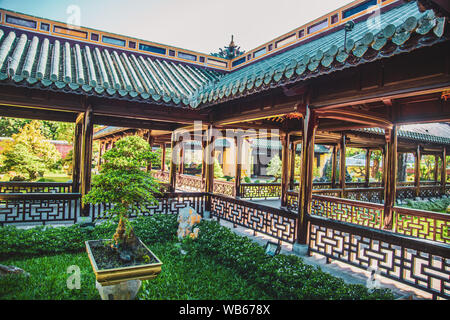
point(282, 276)
point(54, 240)
point(438, 205)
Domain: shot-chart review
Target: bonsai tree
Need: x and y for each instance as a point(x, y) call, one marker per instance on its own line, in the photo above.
point(124, 183)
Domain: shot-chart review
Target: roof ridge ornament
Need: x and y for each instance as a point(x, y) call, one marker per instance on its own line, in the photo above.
point(229, 52)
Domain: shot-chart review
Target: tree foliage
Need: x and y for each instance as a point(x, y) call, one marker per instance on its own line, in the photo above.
point(124, 184)
point(52, 130)
point(274, 167)
point(29, 155)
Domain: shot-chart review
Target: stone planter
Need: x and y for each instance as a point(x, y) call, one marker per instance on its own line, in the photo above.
point(114, 283)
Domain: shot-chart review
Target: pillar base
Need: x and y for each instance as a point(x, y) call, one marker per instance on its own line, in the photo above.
point(300, 249)
point(125, 290)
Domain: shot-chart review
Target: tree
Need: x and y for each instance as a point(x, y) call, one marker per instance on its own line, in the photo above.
point(274, 168)
point(124, 183)
point(29, 155)
point(52, 130)
point(218, 172)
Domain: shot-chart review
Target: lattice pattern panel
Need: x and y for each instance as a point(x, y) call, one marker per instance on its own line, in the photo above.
point(429, 192)
point(367, 195)
point(170, 204)
point(38, 211)
point(432, 226)
point(223, 187)
point(406, 193)
point(292, 201)
point(270, 221)
point(364, 214)
point(413, 264)
point(160, 175)
point(36, 187)
point(260, 190)
point(189, 183)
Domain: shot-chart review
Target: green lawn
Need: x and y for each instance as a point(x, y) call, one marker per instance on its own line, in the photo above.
point(183, 277)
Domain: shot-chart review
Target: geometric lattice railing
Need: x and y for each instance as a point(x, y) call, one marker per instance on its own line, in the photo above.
point(168, 203)
point(274, 222)
point(38, 207)
point(419, 263)
point(35, 187)
point(351, 211)
point(422, 224)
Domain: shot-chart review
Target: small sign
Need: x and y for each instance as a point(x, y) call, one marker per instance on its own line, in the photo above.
point(272, 248)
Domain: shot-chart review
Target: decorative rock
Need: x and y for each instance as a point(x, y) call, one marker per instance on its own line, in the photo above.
point(126, 290)
point(9, 270)
point(187, 218)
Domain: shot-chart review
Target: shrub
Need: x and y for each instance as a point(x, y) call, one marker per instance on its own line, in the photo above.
point(54, 240)
point(282, 276)
point(439, 205)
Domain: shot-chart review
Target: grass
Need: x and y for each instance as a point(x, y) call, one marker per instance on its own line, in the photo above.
point(183, 277)
point(48, 279)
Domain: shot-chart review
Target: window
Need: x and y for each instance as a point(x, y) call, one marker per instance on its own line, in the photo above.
point(94, 37)
point(285, 41)
point(70, 32)
point(238, 62)
point(153, 49)
point(132, 44)
point(21, 22)
point(45, 26)
point(358, 8)
point(260, 52)
point(114, 41)
point(318, 26)
point(187, 56)
point(172, 53)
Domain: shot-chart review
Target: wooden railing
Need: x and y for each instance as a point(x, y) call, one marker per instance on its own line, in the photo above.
point(39, 207)
point(35, 187)
point(168, 203)
point(277, 223)
point(260, 190)
point(419, 263)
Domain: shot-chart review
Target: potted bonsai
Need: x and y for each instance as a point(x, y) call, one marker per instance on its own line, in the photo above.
point(123, 183)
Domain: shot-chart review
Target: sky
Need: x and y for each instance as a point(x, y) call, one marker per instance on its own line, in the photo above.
point(199, 25)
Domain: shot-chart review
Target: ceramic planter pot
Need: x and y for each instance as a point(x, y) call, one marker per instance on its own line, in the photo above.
point(108, 277)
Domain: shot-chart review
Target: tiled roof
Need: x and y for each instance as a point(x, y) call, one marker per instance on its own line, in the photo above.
point(438, 133)
point(84, 68)
point(65, 65)
point(369, 40)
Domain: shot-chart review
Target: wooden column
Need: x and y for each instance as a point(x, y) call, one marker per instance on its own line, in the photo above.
point(181, 165)
point(417, 156)
point(237, 177)
point(150, 142)
point(76, 154)
point(209, 161)
point(86, 157)
point(436, 168)
point(342, 165)
point(306, 177)
point(204, 163)
point(173, 161)
point(209, 166)
point(293, 146)
point(334, 167)
point(368, 152)
point(391, 177)
point(284, 138)
point(163, 157)
point(443, 170)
